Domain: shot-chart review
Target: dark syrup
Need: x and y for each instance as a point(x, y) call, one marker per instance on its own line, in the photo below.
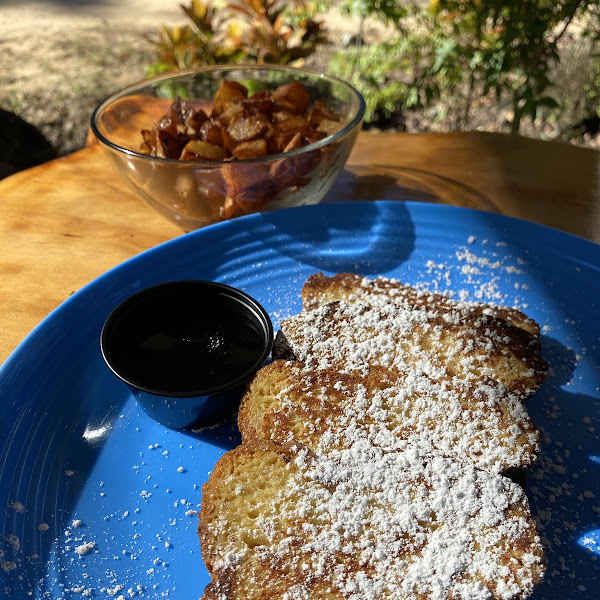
point(185, 357)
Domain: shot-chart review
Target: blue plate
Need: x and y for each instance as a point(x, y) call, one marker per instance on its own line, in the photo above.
point(97, 499)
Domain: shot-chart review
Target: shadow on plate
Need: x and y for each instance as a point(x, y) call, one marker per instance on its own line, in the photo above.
point(386, 232)
point(564, 485)
point(322, 236)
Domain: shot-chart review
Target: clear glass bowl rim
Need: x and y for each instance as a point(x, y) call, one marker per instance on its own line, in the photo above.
point(356, 120)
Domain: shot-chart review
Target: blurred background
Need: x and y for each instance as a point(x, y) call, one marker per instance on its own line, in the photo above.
point(530, 68)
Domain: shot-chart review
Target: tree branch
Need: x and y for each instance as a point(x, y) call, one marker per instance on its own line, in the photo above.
point(567, 22)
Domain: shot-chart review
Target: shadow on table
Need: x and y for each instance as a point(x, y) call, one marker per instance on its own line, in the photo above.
point(404, 183)
point(21, 145)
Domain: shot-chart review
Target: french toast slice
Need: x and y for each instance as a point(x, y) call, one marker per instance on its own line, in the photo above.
point(280, 522)
point(320, 289)
point(349, 336)
point(479, 422)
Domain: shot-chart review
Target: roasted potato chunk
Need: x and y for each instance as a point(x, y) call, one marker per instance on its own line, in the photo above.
point(247, 127)
point(249, 187)
point(293, 124)
point(230, 111)
point(166, 143)
point(295, 94)
point(196, 120)
point(229, 92)
point(260, 102)
point(319, 112)
point(329, 127)
point(212, 132)
point(200, 150)
point(273, 120)
point(251, 149)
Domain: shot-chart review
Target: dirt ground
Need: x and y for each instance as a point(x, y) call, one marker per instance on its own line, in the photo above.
point(61, 58)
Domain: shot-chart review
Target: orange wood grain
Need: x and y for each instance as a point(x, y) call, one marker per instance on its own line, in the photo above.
point(65, 222)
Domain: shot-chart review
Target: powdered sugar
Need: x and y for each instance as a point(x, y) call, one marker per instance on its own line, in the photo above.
point(376, 524)
point(85, 548)
point(350, 336)
point(475, 421)
point(387, 501)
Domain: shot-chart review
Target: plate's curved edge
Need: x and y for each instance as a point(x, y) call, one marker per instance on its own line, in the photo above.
point(580, 249)
point(437, 227)
point(580, 244)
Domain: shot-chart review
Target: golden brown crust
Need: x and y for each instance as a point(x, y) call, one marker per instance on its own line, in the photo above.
point(370, 469)
point(215, 496)
point(477, 422)
point(320, 289)
point(352, 336)
point(273, 526)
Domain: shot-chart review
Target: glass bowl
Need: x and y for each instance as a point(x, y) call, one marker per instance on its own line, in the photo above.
point(195, 193)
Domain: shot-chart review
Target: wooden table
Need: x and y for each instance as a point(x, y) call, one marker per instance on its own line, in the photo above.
point(65, 222)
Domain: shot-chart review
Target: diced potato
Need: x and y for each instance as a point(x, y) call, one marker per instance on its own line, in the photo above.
point(261, 102)
point(231, 110)
point(166, 124)
point(294, 143)
point(212, 132)
point(278, 140)
point(244, 176)
point(247, 127)
point(312, 136)
point(229, 209)
point(242, 204)
point(180, 111)
point(283, 105)
point(196, 120)
point(248, 186)
point(165, 144)
point(295, 94)
point(248, 201)
point(282, 115)
point(320, 112)
point(251, 149)
point(228, 142)
point(184, 131)
point(228, 92)
point(291, 172)
point(189, 134)
point(329, 127)
point(200, 150)
point(294, 124)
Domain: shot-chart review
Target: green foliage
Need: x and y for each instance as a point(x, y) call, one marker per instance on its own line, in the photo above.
point(454, 54)
point(460, 51)
point(389, 11)
point(230, 31)
point(592, 89)
point(591, 31)
point(386, 76)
